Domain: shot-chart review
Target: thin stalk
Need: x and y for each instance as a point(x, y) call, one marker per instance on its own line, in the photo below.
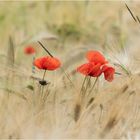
point(138, 19)
point(81, 91)
point(44, 75)
point(46, 96)
point(43, 85)
point(67, 75)
point(131, 12)
point(87, 85)
point(93, 86)
point(45, 48)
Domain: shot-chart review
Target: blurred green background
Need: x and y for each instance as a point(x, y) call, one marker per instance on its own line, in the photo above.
point(86, 21)
point(80, 22)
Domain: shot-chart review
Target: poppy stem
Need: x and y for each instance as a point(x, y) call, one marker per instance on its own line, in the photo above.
point(93, 86)
point(44, 75)
point(43, 85)
point(87, 86)
point(81, 91)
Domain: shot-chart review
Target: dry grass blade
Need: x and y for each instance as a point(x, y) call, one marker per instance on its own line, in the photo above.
point(138, 19)
point(92, 86)
point(11, 52)
point(131, 12)
point(127, 71)
point(45, 48)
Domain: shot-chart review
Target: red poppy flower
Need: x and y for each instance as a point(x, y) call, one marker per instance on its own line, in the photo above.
point(108, 73)
point(96, 71)
point(90, 69)
point(29, 50)
point(96, 66)
point(86, 68)
point(96, 57)
point(47, 63)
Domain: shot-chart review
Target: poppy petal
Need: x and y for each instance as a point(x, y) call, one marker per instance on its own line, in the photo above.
point(47, 63)
point(51, 63)
point(104, 68)
point(85, 68)
point(38, 63)
point(108, 73)
point(96, 71)
point(96, 57)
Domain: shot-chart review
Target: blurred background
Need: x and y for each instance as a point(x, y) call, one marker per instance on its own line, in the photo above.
point(74, 21)
point(74, 24)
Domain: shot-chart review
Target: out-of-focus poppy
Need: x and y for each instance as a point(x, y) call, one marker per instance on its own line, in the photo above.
point(108, 73)
point(96, 66)
point(90, 69)
point(96, 57)
point(96, 71)
point(85, 68)
point(47, 63)
point(29, 50)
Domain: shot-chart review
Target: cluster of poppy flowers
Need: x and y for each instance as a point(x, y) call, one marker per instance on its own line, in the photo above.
point(95, 66)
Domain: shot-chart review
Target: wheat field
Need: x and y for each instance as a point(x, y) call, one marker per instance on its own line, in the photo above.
point(65, 108)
